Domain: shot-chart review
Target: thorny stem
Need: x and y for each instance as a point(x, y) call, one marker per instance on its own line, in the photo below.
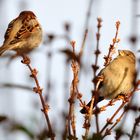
point(38, 90)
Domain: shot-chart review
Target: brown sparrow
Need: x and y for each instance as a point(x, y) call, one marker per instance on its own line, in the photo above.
point(23, 34)
point(118, 77)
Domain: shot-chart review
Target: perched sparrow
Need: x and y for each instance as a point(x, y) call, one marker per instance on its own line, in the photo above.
point(23, 34)
point(118, 77)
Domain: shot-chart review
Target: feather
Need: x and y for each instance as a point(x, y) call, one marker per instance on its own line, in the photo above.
point(8, 31)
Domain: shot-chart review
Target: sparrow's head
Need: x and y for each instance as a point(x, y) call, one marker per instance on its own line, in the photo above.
point(27, 15)
point(127, 53)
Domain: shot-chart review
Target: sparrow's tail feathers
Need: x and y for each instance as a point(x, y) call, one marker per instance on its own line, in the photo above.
point(2, 50)
point(5, 48)
point(84, 110)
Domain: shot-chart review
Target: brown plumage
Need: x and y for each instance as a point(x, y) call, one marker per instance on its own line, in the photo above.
point(118, 76)
point(23, 34)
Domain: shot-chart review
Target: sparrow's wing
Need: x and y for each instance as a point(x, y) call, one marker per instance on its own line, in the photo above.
point(23, 33)
point(9, 29)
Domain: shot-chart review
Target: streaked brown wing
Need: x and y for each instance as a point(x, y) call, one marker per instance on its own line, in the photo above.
point(23, 32)
point(8, 31)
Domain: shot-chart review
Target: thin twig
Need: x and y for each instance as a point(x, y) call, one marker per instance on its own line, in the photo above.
point(125, 100)
point(38, 90)
point(109, 121)
point(66, 80)
point(86, 26)
point(115, 40)
point(97, 52)
point(83, 44)
point(110, 103)
point(73, 95)
point(137, 122)
point(96, 67)
point(90, 111)
point(48, 80)
point(108, 131)
point(95, 96)
point(9, 85)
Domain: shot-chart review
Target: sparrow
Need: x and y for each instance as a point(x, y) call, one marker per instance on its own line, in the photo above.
point(23, 34)
point(118, 77)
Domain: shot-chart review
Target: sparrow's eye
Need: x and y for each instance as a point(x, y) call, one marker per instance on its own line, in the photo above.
point(128, 54)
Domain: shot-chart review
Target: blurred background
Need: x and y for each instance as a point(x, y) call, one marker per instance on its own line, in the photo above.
point(62, 21)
